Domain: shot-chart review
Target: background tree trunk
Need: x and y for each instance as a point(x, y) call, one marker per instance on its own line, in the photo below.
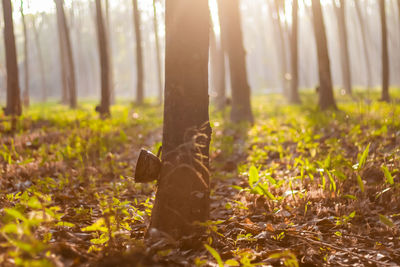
point(110, 54)
point(41, 61)
point(66, 56)
point(385, 53)
point(294, 94)
point(13, 90)
point(104, 109)
point(326, 97)
point(26, 58)
point(222, 94)
point(344, 47)
point(365, 43)
point(139, 54)
point(158, 54)
point(183, 190)
point(241, 103)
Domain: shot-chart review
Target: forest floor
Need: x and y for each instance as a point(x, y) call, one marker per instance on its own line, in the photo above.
point(299, 188)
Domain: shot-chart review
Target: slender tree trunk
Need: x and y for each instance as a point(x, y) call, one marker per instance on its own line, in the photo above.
point(326, 97)
point(344, 47)
point(158, 54)
point(282, 47)
point(67, 57)
point(241, 103)
point(104, 108)
point(139, 54)
point(183, 189)
point(26, 58)
point(385, 53)
point(365, 43)
point(110, 54)
point(294, 94)
point(221, 97)
point(217, 60)
point(13, 107)
point(41, 61)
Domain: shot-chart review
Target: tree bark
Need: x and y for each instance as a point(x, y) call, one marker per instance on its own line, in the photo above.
point(26, 58)
point(41, 61)
point(365, 43)
point(104, 108)
point(326, 97)
point(13, 107)
point(241, 102)
point(158, 54)
point(139, 54)
point(294, 94)
point(110, 55)
point(282, 47)
point(65, 45)
point(344, 47)
point(183, 189)
point(385, 53)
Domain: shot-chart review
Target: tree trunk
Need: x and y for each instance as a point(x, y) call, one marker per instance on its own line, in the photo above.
point(26, 58)
point(183, 190)
point(13, 107)
point(365, 43)
point(385, 53)
point(41, 61)
point(67, 57)
point(294, 94)
point(217, 62)
point(139, 54)
point(104, 108)
point(158, 54)
point(326, 98)
point(344, 47)
point(282, 47)
point(241, 102)
point(110, 55)
point(221, 97)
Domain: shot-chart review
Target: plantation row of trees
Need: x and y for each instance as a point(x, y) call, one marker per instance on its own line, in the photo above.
point(227, 45)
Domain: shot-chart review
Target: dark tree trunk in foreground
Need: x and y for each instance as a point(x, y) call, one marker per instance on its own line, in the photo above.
point(104, 108)
point(139, 54)
point(110, 54)
point(41, 61)
point(158, 54)
point(344, 47)
point(326, 97)
point(26, 58)
point(363, 28)
point(183, 189)
point(67, 47)
point(294, 93)
point(13, 107)
point(241, 103)
point(385, 53)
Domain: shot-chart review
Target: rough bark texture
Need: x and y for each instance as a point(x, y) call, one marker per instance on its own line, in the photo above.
point(294, 93)
point(385, 53)
point(344, 47)
point(326, 98)
point(65, 45)
point(13, 107)
point(110, 54)
point(365, 44)
point(158, 54)
point(104, 61)
point(139, 54)
point(183, 190)
point(241, 103)
point(41, 61)
point(26, 58)
point(217, 60)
